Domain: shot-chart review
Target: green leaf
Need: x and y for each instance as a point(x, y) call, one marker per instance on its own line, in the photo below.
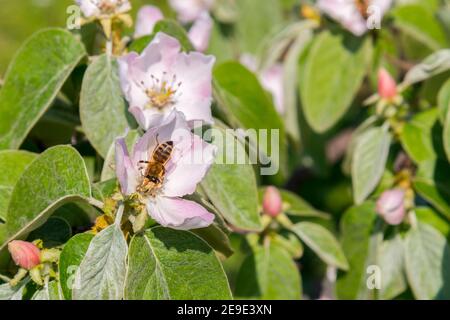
point(70, 259)
point(13, 163)
point(105, 189)
point(356, 227)
point(231, 188)
point(446, 134)
point(56, 177)
point(332, 74)
point(49, 292)
point(216, 238)
point(35, 76)
point(290, 243)
point(390, 258)
point(101, 275)
point(103, 110)
point(254, 21)
point(443, 101)
point(322, 242)
point(434, 64)
point(429, 216)
point(432, 182)
point(426, 257)
point(13, 293)
point(420, 23)
point(248, 106)
point(422, 136)
point(3, 233)
point(54, 232)
point(369, 161)
point(269, 273)
point(170, 264)
point(304, 34)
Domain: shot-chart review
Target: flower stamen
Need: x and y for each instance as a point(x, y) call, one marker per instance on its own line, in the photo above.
point(162, 93)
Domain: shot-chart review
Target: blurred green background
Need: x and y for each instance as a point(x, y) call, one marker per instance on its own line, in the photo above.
point(21, 18)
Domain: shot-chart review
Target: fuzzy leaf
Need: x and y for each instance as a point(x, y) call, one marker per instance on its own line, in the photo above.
point(56, 177)
point(169, 264)
point(333, 73)
point(369, 161)
point(35, 76)
point(103, 110)
point(322, 242)
point(101, 275)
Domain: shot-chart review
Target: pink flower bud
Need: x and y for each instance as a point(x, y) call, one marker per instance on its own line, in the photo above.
point(25, 254)
point(387, 88)
point(391, 206)
point(272, 203)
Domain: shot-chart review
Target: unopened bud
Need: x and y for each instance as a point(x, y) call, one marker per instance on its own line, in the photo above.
point(391, 206)
point(272, 203)
point(25, 254)
point(387, 88)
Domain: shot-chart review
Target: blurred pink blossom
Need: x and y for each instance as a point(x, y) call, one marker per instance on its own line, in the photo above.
point(25, 254)
point(391, 206)
point(147, 17)
point(348, 12)
point(190, 10)
point(271, 79)
point(102, 8)
point(200, 32)
point(162, 79)
point(189, 162)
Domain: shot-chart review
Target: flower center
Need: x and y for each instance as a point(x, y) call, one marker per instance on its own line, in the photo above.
point(162, 93)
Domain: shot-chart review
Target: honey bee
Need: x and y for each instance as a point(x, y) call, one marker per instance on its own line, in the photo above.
point(155, 169)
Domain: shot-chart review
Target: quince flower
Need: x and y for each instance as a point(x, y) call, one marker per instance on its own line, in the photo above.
point(190, 159)
point(271, 79)
point(190, 10)
point(355, 15)
point(199, 33)
point(147, 17)
point(162, 79)
point(103, 9)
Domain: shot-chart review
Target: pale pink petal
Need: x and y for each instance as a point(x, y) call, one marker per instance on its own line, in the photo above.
point(248, 60)
point(178, 213)
point(384, 5)
point(191, 167)
point(200, 32)
point(147, 17)
point(346, 13)
point(125, 170)
point(88, 8)
point(272, 80)
point(190, 10)
point(194, 71)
